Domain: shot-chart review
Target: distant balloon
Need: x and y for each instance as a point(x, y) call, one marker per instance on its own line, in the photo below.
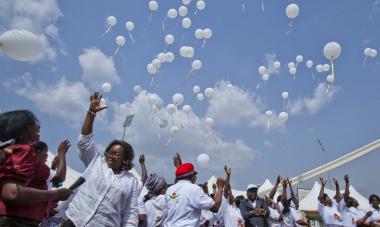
point(187, 109)
point(153, 99)
point(196, 89)
point(319, 68)
point(210, 122)
point(162, 57)
point(171, 108)
point(292, 11)
point(330, 79)
point(200, 97)
point(309, 64)
point(169, 57)
point(156, 63)
point(172, 13)
point(178, 99)
point(265, 77)
point(182, 10)
point(137, 89)
point(111, 21)
point(199, 33)
point(367, 51)
point(209, 92)
point(120, 40)
point(186, 22)
point(291, 65)
point(169, 39)
point(262, 70)
point(21, 45)
point(151, 68)
point(299, 58)
point(332, 50)
point(283, 116)
point(129, 25)
point(326, 67)
point(203, 161)
point(186, 2)
point(153, 5)
point(268, 113)
point(285, 95)
point(373, 53)
point(207, 33)
point(277, 64)
point(106, 87)
point(293, 71)
point(196, 65)
point(201, 5)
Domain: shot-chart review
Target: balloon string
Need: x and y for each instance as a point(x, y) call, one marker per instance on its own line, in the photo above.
point(262, 5)
point(130, 36)
point(153, 77)
point(195, 13)
point(204, 43)
point(258, 85)
point(166, 46)
point(268, 124)
point(290, 27)
point(365, 59)
point(294, 76)
point(176, 25)
point(243, 6)
point(163, 23)
point(328, 87)
point(117, 50)
point(313, 74)
point(108, 30)
point(170, 141)
point(188, 75)
point(332, 69)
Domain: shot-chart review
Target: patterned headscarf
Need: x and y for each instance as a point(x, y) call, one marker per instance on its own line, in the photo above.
point(154, 184)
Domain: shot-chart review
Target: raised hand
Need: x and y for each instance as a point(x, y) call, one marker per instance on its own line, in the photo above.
point(177, 160)
point(227, 170)
point(142, 159)
point(347, 179)
point(220, 182)
point(284, 183)
point(323, 181)
point(278, 181)
point(336, 182)
point(64, 147)
point(95, 105)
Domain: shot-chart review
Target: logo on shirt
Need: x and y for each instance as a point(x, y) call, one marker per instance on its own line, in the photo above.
point(158, 218)
point(336, 217)
point(173, 196)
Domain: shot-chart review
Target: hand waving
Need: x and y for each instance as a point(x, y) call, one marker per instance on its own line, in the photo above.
point(95, 105)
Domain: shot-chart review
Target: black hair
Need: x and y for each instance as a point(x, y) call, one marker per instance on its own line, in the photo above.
point(39, 146)
point(350, 202)
point(278, 198)
point(238, 199)
point(373, 197)
point(128, 153)
point(14, 123)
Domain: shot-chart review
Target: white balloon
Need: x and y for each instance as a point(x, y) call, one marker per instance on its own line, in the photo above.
point(262, 70)
point(196, 89)
point(265, 77)
point(292, 11)
point(106, 87)
point(373, 53)
point(208, 33)
point(151, 68)
point(203, 160)
point(268, 113)
point(111, 20)
point(285, 95)
point(186, 22)
point(196, 65)
point(186, 2)
point(120, 40)
point(330, 78)
point(162, 57)
point(326, 67)
point(163, 123)
point(137, 89)
point(189, 52)
point(209, 92)
point(172, 13)
point(367, 51)
point(201, 5)
point(319, 68)
point(153, 99)
point(299, 58)
point(156, 63)
point(182, 10)
point(210, 122)
point(129, 25)
point(182, 51)
point(169, 39)
point(153, 5)
point(332, 50)
point(291, 65)
point(199, 33)
point(293, 71)
point(171, 108)
point(174, 130)
point(200, 97)
point(178, 99)
point(187, 109)
point(20, 45)
point(283, 116)
point(309, 64)
point(277, 64)
point(169, 57)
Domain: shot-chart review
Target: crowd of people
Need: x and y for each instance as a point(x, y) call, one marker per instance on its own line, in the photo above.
point(32, 193)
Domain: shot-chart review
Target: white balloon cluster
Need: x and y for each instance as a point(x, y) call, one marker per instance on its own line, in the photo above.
point(187, 51)
point(368, 52)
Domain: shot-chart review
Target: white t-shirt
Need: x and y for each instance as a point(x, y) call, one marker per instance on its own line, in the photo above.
point(221, 212)
point(330, 215)
point(184, 204)
point(351, 215)
point(274, 216)
point(155, 208)
point(206, 215)
point(375, 217)
point(233, 217)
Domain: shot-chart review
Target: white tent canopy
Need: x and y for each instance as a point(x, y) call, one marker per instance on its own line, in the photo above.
point(310, 202)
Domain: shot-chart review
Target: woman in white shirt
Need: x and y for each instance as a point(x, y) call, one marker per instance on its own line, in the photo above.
point(327, 209)
point(109, 195)
point(155, 199)
point(374, 201)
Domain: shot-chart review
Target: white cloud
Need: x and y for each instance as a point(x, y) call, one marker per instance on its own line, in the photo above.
point(232, 106)
point(97, 68)
point(37, 16)
point(321, 97)
point(193, 138)
point(65, 100)
point(270, 59)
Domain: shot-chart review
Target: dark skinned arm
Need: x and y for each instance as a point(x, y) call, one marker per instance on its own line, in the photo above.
point(60, 175)
point(227, 186)
point(218, 196)
point(274, 189)
point(177, 160)
point(322, 191)
point(292, 194)
point(144, 172)
point(95, 107)
point(347, 188)
point(337, 191)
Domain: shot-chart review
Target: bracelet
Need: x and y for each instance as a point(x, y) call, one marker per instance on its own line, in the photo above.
point(91, 113)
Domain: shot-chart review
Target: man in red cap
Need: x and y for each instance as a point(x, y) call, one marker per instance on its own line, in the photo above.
point(185, 200)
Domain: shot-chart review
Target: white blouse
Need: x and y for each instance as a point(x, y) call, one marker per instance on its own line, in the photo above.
point(105, 199)
point(155, 208)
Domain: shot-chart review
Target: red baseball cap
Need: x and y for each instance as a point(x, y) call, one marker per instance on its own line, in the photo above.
point(184, 170)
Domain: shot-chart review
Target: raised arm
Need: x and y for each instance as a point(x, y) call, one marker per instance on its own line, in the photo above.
point(218, 196)
point(293, 196)
point(60, 175)
point(284, 197)
point(322, 191)
point(337, 190)
point(95, 107)
point(227, 186)
point(177, 160)
point(347, 188)
point(144, 172)
point(274, 189)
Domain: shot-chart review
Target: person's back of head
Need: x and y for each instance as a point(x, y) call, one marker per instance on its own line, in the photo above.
point(14, 125)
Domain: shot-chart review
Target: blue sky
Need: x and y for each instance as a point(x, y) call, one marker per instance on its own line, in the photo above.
point(56, 87)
